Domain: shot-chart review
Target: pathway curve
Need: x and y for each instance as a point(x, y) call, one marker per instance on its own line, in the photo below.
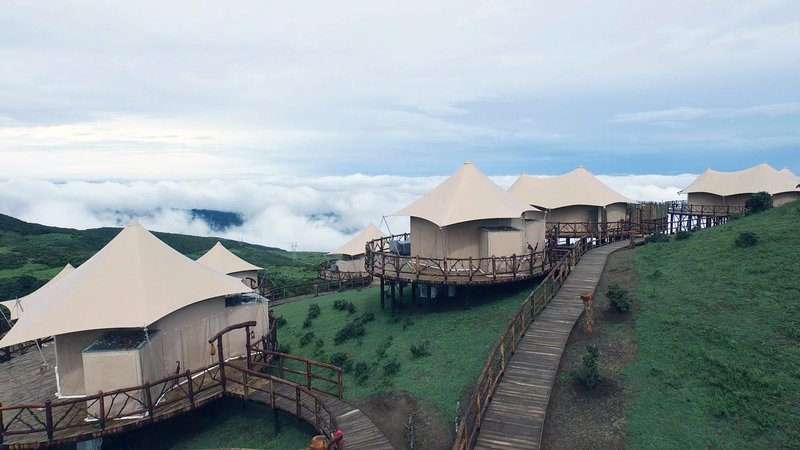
point(515, 416)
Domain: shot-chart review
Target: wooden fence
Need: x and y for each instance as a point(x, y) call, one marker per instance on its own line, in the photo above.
point(311, 374)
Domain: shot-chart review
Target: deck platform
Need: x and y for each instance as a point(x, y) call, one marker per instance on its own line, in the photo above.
point(515, 416)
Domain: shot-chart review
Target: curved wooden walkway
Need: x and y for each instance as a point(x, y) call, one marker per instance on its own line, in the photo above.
point(515, 416)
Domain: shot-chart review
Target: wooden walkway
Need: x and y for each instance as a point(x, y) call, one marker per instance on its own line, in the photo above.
point(515, 416)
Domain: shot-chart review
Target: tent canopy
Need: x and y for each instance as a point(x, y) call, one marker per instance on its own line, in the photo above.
point(578, 187)
point(223, 260)
point(17, 307)
point(762, 177)
point(132, 282)
point(356, 246)
point(466, 195)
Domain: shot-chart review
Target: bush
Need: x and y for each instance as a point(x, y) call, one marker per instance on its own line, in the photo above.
point(682, 235)
point(306, 338)
point(340, 359)
point(391, 368)
point(760, 201)
point(420, 351)
point(619, 298)
point(351, 330)
point(366, 317)
point(313, 311)
point(656, 238)
point(343, 305)
point(589, 372)
point(746, 239)
point(384, 347)
point(361, 372)
point(307, 323)
point(280, 321)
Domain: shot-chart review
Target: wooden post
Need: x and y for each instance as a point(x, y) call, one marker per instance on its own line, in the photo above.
point(48, 418)
point(316, 413)
point(588, 315)
point(245, 386)
point(190, 387)
point(248, 343)
point(148, 399)
point(102, 416)
point(393, 299)
point(2, 424)
point(339, 383)
point(383, 288)
point(308, 374)
point(430, 300)
point(281, 368)
point(494, 269)
point(298, 410)
point(316, 289)
point(221, 358)
point(414, 293)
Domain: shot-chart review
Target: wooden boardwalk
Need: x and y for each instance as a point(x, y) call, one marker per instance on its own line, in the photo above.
point(23, 381)
point(515, 416)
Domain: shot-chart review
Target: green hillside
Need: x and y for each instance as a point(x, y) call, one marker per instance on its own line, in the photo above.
point(719, 339)
point(31, 254)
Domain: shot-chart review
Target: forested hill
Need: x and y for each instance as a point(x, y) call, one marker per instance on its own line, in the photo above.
point(31, 254)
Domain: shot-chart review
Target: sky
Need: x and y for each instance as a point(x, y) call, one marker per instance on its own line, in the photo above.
point(105, 104)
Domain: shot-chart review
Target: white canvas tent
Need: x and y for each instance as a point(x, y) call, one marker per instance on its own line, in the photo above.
point(575, 197)
point(352, 251)
point(135, 282)
point(453, 219)
point(17, 307)
point(734, 188)
point(224, 261)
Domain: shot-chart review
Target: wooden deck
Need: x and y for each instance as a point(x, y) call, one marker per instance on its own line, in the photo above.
point(23, 381)
point(515, 415)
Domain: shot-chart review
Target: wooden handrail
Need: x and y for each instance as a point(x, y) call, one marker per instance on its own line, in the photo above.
point(270, 356)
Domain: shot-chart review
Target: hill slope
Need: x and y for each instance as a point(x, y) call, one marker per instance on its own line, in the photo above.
point(31, 254)
point(719, 339)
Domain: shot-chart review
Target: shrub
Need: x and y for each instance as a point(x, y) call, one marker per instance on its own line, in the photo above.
point(368, 316)
point(306, 338)
point(589, 371)
point(391, 368)
point(420, 351)
point(351, 330)
point(280, 321)
point(746, 239)
point(760, 201)
point(384, 347)
point(307, 323)
point(682, 235)
point(657, 238)
point(361, 372)
point(619, 298)
point(313, 311)
point(343, 305)
point(340, 359)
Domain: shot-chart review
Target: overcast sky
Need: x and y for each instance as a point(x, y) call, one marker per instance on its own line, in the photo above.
point(166, 90)
point(295, 112)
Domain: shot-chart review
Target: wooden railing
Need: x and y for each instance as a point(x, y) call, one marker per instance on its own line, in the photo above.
point(64, 421)
point(579, 229)
point(484, 388)
point(305, 370)
point(381, 261)
point(312, 288)
point(324, 272)
point(681, 207)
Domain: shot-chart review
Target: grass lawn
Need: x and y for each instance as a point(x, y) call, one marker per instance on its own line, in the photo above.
point(458, 342)
point(719, 339)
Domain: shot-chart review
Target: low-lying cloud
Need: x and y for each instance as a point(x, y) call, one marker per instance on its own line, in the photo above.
point(318, 213)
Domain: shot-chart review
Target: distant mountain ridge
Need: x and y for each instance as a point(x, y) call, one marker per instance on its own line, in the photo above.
point(31, 253)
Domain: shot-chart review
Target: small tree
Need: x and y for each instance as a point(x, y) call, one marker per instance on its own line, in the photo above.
point(589, 372)
point(760, 201)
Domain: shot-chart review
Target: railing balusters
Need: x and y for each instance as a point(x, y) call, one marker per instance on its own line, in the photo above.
point(48, 418)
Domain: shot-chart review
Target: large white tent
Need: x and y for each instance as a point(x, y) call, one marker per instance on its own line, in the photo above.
point(576, 188)
point(454, 219)
point(734, 188)
point(224, 261)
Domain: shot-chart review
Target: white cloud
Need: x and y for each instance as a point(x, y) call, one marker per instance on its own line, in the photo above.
point(319, 213)
point(683, 113)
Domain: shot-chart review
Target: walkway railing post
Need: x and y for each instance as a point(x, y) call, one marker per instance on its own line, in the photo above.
point(190, 387)
point(221, 359)
point(2, 424)
point(48, 419)
point(102, 416)
point(308, 374)
point(247, 345)
point(148, 398)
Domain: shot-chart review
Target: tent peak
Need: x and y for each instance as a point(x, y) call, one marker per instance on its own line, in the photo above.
point(133, 223)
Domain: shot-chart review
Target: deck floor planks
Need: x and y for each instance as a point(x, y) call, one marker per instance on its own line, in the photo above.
point(515, 416)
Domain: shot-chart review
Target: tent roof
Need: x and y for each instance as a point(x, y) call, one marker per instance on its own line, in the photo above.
point(130, 283)
point(356, 246)
point(223, 260)
point(786, 171)
point(466, 195)
point(578, 187)
point(762, 177)
point(17, 308)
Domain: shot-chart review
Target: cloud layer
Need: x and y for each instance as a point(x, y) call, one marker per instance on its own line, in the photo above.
point(319, 213)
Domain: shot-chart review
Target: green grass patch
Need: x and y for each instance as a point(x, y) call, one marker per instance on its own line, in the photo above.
point(719, 347)
point(451, 343)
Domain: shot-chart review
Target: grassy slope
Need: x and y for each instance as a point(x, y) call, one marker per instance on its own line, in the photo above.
point(459, 342)
point(32, 250)
point(719, 339)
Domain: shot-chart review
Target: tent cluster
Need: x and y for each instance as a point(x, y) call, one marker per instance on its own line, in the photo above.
point(135, 309)
point(735, 188)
